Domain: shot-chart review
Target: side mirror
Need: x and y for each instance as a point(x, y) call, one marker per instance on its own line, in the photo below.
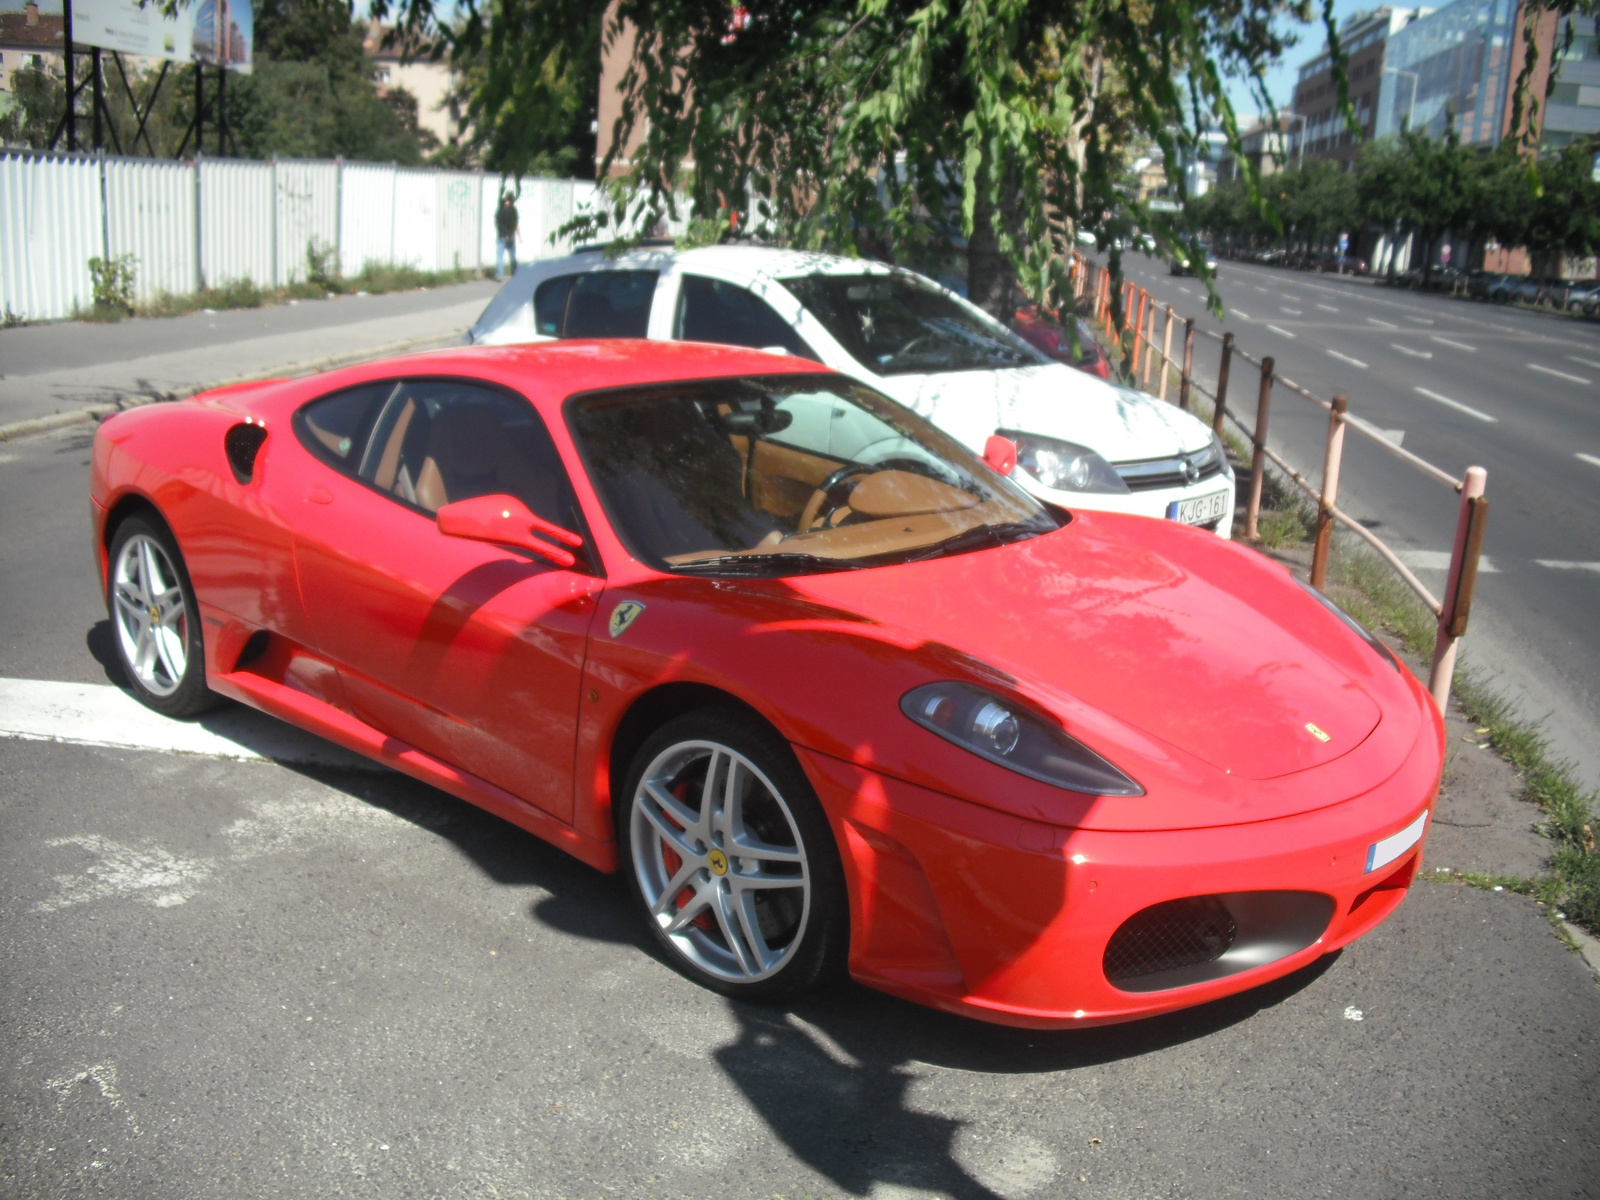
point(507, 521)
point(1000, 453)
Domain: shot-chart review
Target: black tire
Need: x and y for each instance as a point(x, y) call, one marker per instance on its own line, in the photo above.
point(160, 681)
point(812, 943)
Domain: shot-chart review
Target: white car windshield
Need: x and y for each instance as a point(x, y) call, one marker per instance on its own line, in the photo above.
point(901, 325)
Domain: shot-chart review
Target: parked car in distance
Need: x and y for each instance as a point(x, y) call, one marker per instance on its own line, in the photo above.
point(1181, 264)
point(828, 690)
point(1045, 331)
point(1081, 442)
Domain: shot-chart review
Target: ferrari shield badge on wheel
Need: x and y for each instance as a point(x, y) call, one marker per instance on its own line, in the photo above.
point(895, 713)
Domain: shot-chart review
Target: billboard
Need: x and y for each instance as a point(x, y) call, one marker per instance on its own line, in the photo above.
point(213, 32)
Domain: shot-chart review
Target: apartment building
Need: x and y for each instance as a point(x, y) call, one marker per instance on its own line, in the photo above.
point(1318, 127)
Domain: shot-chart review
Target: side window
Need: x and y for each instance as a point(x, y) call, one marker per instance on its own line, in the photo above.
point(710, 310)
point(439, 440)
point(610, 304)
point(550, 305)
point(335, 428)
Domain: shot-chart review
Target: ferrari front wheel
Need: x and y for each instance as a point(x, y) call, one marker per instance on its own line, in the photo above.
point(155, 620)
point(732, 859)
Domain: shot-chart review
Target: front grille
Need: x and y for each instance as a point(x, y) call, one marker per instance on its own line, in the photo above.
point(1147, 476)
point(1169, 936)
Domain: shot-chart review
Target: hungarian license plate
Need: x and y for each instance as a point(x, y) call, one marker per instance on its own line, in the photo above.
point(1201, 510)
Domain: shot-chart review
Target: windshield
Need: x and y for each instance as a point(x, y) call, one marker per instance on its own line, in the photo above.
point(787, 475)
point(902, 325)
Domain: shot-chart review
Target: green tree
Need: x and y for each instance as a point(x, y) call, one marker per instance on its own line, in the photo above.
point(1564, 217)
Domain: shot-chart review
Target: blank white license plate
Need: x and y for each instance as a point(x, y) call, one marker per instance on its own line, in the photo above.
point(1201, 510)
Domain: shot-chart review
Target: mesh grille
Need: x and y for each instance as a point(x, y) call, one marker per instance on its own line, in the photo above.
point(1164, 937)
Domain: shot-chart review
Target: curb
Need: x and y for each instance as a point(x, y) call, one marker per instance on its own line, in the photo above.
point(98, 412)
point(1587, 946)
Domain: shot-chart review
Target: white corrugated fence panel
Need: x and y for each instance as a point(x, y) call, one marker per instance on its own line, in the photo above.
point(50, 228)
point(557, 207)
point(416, 220)
point(366, 216)
point(236, 226)
point(459, 213)
point(308, 213)
point(150, 215)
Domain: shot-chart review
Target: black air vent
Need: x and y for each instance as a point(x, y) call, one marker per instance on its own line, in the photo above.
point(243, 443)
point(1164, 937)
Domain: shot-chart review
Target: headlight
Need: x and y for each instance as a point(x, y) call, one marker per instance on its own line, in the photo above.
point(1360, 630)
point(994, 728)
point(1064, 466)
point(1212, 453)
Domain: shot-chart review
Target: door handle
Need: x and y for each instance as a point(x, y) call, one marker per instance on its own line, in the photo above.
point(319, 495)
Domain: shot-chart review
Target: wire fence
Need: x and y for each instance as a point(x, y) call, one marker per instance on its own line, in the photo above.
point(1131, 316)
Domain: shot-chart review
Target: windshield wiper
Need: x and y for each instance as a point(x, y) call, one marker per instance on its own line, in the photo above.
point(762, 564)
point(983, 537)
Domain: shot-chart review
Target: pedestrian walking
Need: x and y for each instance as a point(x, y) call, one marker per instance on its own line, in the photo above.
point(505, 228)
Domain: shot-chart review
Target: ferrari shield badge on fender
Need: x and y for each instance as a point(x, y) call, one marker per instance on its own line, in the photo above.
point(624, 615)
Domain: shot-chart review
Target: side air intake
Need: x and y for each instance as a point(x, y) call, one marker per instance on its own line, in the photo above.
point(242, 443)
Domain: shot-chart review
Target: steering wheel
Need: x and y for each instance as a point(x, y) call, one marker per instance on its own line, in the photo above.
point(823, 502)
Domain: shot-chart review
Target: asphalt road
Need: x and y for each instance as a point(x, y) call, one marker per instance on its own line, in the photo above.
point(249, 979)
point(1515, 392)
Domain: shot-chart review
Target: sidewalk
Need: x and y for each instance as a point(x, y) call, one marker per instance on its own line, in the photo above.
point(66, 395)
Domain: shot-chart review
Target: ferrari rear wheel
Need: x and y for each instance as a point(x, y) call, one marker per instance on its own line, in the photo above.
point(156, 621)
point(732, 859)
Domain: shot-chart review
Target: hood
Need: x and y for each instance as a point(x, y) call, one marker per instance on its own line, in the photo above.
point(1052, 400)
point(1205, 646)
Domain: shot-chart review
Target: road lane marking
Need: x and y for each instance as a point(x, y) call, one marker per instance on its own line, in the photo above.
point(1285, 332)
point(1556, 564)
point(1290, 299)
point(1592, 460)
point(89, 714)
point(1588, 362)
point(1243, 316)
point(1444, 341)
point(1457, 405)
point(1410, 351)
point(1421, 320)
point(1185, 291)
point(1557, 374)
point(1262, 290)
point(1327, 308)
point(1439, 560)
point(1385, 324)
point(1354, 362)
point(1293, 312)
point(1396, 436)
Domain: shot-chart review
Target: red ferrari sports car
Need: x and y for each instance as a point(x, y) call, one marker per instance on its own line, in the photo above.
point(830, 691)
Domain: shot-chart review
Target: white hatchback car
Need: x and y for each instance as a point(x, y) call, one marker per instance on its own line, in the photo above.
point(1080, 442)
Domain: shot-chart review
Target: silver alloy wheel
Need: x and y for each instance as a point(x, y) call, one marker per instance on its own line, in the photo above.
point(151, 618)
point(720, 861)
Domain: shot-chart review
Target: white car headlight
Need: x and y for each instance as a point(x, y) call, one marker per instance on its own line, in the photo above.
point(1064, 466)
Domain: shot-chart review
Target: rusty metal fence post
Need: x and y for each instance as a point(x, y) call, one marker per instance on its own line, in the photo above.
point(1463, 579)
point(1166, 352)
point(1221, 410)
point(1330, 492)
point(1188, 362)
point(1258, 456)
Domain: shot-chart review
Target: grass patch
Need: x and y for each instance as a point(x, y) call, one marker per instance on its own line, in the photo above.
point(374, 280)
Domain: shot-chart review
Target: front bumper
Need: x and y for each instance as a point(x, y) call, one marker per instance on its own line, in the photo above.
point(973, 911)
point(1155, 502)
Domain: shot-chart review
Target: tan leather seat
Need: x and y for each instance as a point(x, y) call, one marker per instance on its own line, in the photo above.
point(462, 458)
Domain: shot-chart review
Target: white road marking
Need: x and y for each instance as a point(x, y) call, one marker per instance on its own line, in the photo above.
point(89, 714)
point(1354, 362)
point(1262, 290)
point(1410, 351)
point(1397, 436)
point(1592, 460)
point(1588, 362)
point(1556, 564)
point(1186, 291)
point(1558, 374)
point(1384, 324)
point(1444, 341)
point(1290, 299)
point(1439, 560)
point(1293, 312)
point(1421, 320)
point(1457, 405)
point(1285, 332)
point(1243, 316)
point(1327, 308)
